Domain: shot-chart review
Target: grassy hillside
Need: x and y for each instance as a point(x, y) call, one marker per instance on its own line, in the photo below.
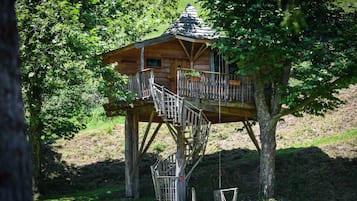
point(316, 160)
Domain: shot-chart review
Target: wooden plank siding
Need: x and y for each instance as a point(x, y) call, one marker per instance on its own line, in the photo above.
point(171, 54)
point(203, 62)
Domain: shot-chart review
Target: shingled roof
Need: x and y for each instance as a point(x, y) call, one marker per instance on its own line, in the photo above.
point(190, 25)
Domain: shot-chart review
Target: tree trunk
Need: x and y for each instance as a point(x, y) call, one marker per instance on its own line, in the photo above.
point(267, 126)
point(267, 160)
point(35, 143)
point(15, 160)
point(35, 131)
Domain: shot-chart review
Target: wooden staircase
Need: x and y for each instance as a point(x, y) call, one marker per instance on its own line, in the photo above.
point(184, 121)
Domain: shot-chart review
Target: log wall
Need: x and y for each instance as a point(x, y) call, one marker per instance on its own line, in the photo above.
point(171, 54)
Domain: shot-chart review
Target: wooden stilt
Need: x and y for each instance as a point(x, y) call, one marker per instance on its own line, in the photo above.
point(172, 131)
point(250, 131)
point(144, 150)
point(131, 155)
point(147, 131)
point(180, 166)
point(152, 138)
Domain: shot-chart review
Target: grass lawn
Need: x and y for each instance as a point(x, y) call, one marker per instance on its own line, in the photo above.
point(316, 160)
point(302, 171)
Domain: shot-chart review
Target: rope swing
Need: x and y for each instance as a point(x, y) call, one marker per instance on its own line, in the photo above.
point(222, 194)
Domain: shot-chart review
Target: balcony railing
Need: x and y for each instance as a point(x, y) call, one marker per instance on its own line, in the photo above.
point(205, 85)
point(214, 86)
point(139, 84)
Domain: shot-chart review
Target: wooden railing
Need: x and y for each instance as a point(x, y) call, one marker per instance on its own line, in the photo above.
point(138, 83)
point(207, 85)
point(214, 86)
point(174, 109)
point(164, 179)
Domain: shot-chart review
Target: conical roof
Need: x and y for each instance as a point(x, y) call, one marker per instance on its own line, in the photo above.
point(190, 25)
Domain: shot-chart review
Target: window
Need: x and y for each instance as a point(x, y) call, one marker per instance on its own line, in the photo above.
point(150, 62)
point(218, 64)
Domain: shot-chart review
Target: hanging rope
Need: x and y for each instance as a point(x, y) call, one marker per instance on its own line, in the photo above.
point(220, 194)
point(219, 88)
point(219, 171)
point(220, 64)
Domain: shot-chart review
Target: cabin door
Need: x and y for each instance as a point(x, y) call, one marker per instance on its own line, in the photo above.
point(177, 63)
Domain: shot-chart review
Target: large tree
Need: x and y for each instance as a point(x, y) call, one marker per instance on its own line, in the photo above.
point(15, 163)
point(299, 53)
point(54, 50)
point(60, 43)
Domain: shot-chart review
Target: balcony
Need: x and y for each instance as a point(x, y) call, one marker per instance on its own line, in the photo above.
point(227, 94)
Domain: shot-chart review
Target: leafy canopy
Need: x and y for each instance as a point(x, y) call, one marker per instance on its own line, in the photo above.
point(317, 39)
point(60, 41)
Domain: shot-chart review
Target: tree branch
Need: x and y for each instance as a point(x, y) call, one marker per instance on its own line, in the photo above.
point(306, 101)
point(276, 105)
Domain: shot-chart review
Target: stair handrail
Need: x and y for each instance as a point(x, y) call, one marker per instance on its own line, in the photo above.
point(190, 114)
point(174, 109)
point(186, 105)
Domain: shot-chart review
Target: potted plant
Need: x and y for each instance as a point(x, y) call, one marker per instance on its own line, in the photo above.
point(234, 82)
point(193, 75)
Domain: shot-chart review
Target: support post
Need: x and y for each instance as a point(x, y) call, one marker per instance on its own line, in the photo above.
point(180, 165)
point(142, 59)
point(250, 131)
point(131, 155)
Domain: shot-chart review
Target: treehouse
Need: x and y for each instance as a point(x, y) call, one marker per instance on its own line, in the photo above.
point(179, 81)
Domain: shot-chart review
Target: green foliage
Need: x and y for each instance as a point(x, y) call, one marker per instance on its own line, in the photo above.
point(192, 73)
point(299, 53)
point(113, 85)
point(60, 43)
point(125, 21)
point(55, 54)
point(158, 147)
point(317, 38)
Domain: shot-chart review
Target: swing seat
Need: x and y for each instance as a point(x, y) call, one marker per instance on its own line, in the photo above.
point(225, 194)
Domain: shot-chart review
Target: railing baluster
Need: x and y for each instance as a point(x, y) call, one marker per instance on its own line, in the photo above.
point(213, 85)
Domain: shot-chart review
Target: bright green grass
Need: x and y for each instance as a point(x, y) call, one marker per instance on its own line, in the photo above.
point(330, 139)
point(316, 142)
point(105, 123)
point(98, 120)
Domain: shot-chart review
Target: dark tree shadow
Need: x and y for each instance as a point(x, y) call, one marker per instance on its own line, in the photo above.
point(61, 178)
point(306, 174)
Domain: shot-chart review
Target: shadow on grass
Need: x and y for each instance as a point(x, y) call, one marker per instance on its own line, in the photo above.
point(103, 180)
point(303, 174)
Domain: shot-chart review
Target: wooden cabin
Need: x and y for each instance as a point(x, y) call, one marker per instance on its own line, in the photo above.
point(178, 66)
point(182, 51)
